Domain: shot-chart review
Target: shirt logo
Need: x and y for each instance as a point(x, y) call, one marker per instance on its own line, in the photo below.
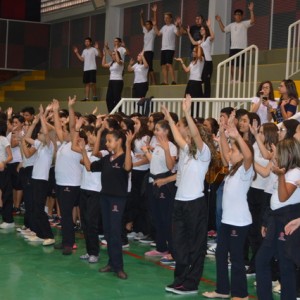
point(66, 189)
point(115, 208)
point(234, 233)
point(162, 196)
point(116, 166)
point(281, 237)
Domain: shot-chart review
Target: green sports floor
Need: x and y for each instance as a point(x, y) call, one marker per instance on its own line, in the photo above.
point(31, 271)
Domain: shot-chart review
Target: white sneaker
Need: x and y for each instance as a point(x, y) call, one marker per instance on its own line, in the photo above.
point(48, 242)
point(139, 236)
point(35, 239)
point(132, 235)
point(104, 242)
point(212, 250)
point(5, 225)
point(25, 232)
point(277, 288)
point(29, 235)
point(19, 229)
point(93, 259)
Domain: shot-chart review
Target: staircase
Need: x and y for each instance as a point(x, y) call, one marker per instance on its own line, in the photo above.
point(42, 86)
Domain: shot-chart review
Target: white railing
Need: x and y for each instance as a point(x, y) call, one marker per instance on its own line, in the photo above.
point(202, 107)
point(293, 50)
point(235, 82)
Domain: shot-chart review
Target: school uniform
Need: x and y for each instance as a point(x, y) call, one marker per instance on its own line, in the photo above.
point(90, 207)
point(113, 201)
point(149, 38)
point(40, 176)
point(140, 83)
point(162, 198)
point(189, 220)
point(208, 66)
point(68, 179)
point(275, 242)
point(236, 219)
point(6, 184)
point(115, 85)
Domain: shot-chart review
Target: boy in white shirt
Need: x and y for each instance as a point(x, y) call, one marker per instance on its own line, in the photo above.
point(168, 32)
point(238, 34)
point(88, 57)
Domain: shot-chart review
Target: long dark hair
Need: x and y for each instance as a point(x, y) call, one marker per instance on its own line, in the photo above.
point(164, 124)
point(271, 134)
point(207, 32)
point(291, 90)
point(271, 93)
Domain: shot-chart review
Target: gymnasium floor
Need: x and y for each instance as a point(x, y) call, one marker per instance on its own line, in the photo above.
point(31, 271)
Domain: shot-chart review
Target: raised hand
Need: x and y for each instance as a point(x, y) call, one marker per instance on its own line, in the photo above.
point(129, 138)
point(232, 132)
point(251, 6)
point(71, 101)
point(187, 103)
point(254, 127)
point(141, 12)
point(79, 123)
point(154, 7)
point(163, 142)
point(41, 110)
point(166, 112)
point(96, 45)
point(75, 49)
point(131, 62)
point(208, 22)
point(178, 59)
point(218, 18)
point(178, 21)
point(55, 105)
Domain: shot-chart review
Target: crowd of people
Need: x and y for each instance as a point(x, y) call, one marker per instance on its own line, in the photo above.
point(200, 67)
point(164, 179)
point(167, 181)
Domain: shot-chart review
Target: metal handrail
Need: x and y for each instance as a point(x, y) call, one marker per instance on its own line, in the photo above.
point(238, 89)
point(203, 107)
point(293, 50)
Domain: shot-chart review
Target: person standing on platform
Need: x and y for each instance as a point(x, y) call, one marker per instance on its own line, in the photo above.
point(238, 33)
point(88, 57)
point(149, 38)
point(168, 32)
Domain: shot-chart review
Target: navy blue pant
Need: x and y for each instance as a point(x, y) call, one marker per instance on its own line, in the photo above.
point(67, 196)
point(112, 209)
point(189, 222)
point(163, 201)
point(269, 248)
point(231, 240)
point(40, 219)
point(7, 196)
point(90, 213)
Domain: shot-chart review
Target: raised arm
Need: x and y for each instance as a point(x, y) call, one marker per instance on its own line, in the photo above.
point(190, 37)
point(75, 49)
point(212, 34)
point(128, 160)
point(252, 17)
point(180, 141)
point(184, 67)
point(44, 125)
point(75, 136)
point(96, 148)
point(186, 107)
point(131, 63)
point(57, 123)
point(219, 20)
point(71, 103)
point(142, 18)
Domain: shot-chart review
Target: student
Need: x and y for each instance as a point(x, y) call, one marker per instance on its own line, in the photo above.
point(287, 105)
point(13, 166)
point(115, 84)
point(264, 103)
point(285, 204)
point(205, 42)
point(114, 170)
point(195, 68)
point(118, 46)
point(168, 32)
point(149, 38)
point(238, 34)
point(89, 193)
point(28, 114)
point(140, 82)
point(67, 175)
point(5, 184)
point(88, 57)
point(189, 219)
point(162, 161)
point(236, 217)
point(40, 176)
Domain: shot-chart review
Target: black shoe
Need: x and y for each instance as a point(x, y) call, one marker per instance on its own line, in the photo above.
point(95, 98)
point(106, 269)
point(58, 246)
point(122, 275)
point(67, 250)
point(163, 83)
point(181, 290)
point(170, 287)
point(173, 83)
point(250, 272)
point(85, 99)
